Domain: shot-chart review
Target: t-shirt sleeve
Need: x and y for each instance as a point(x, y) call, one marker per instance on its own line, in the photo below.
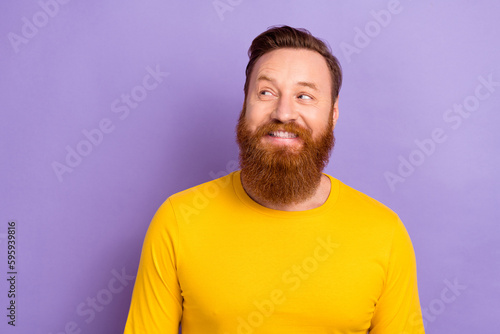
point(156, 305)
point(398, 308)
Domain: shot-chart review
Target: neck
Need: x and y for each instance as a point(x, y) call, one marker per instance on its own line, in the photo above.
point(316, 200)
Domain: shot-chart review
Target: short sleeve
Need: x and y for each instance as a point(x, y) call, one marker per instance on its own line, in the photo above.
point(156, 305)
point(398, 309)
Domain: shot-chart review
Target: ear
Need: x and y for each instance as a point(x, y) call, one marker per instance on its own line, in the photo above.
point(335, 113)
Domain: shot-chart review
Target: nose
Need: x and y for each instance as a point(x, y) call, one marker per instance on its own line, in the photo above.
point(285, 110)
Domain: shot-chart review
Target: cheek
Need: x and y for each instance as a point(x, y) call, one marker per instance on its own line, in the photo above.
point(255, 119)
point(318, 126)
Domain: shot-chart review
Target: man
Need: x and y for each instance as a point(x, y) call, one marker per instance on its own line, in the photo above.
point(278, 247)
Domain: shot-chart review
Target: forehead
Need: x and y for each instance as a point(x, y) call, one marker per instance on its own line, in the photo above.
point(293, 65)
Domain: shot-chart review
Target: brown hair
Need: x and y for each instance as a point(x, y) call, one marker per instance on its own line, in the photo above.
point(278, 37)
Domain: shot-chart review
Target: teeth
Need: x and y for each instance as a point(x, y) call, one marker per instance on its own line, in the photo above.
point(283, 134)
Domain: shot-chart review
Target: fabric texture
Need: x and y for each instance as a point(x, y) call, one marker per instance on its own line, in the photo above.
point(217, 262)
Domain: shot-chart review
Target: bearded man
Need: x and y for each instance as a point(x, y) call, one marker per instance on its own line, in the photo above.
point(278, 246)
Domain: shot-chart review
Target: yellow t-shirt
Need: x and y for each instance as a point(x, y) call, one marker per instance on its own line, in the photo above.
point(219, 263)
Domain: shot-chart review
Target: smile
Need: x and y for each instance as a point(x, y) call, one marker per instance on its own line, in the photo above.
point(282, 134)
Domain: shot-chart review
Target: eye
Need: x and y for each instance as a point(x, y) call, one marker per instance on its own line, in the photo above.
point(304, 97)
point(266, 95)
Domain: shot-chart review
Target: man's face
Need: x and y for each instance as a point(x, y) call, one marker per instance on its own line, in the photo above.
point(285, 131)
point(290, 86)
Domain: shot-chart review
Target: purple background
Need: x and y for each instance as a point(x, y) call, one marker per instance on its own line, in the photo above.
point(76, 230)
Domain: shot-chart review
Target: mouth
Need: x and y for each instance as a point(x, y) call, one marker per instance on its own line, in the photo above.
point(282, 134)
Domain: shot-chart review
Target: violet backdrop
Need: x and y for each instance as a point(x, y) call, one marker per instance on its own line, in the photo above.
point(108, 107)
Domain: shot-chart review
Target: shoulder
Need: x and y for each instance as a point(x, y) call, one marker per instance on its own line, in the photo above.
point(186, 205)
point(378, 223)
point(354, 198)
point(204, 191)
point(366, 212)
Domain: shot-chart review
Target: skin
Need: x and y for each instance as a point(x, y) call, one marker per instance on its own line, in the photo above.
point(291, 85)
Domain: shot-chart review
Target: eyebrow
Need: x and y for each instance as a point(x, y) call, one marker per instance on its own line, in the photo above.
point(307, 84)
point(311, 85)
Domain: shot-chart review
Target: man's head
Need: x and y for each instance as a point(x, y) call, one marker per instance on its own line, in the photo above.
point(285, 130)
point(287, 37)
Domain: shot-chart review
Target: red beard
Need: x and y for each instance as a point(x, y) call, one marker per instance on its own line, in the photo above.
point(282, 175)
